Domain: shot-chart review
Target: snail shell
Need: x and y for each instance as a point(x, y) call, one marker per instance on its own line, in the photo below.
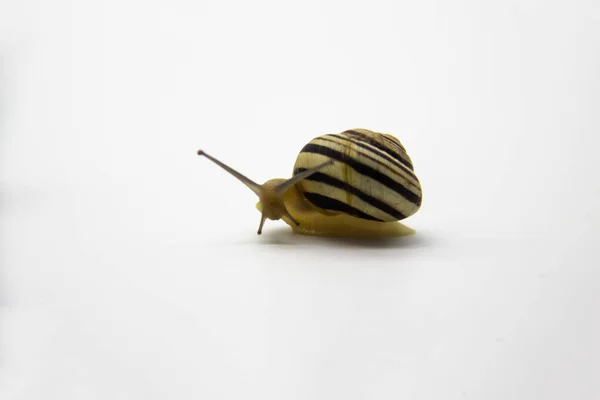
point(372, 176)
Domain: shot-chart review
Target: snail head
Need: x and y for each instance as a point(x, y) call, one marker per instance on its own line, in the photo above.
point(270, 193)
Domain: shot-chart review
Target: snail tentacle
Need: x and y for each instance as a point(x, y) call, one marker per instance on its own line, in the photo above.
point(255, 187)
point(282, 187)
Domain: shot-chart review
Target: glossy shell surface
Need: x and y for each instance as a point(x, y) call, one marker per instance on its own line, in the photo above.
point(372, 176)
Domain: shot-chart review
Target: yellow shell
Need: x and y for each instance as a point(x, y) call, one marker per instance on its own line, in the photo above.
point(371, 176)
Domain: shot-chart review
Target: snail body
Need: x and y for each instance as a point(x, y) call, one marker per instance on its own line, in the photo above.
point(355, 183)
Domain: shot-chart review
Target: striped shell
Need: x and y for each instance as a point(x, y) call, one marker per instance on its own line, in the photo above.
point(372, 176)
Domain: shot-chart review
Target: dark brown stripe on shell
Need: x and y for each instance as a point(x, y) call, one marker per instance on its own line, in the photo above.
point(327, 203)
point(378, 162)
point(364, 170)
point(374, 143)
point(396, 143)
point(367, 198)
point(361, 144)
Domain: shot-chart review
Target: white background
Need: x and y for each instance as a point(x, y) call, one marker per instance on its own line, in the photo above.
point(130, 268)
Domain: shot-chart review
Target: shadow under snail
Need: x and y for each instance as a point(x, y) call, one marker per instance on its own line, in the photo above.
point(357, 183)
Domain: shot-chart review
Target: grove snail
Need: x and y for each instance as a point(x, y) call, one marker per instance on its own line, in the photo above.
point(355, 183)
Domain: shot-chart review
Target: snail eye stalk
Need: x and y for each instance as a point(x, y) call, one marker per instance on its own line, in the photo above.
point(255, 187)
point(282, 187)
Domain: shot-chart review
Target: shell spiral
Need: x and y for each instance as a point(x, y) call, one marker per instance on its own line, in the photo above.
point(372, 176)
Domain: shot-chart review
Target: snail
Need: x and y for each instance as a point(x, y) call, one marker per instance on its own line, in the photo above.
point(354, 183)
